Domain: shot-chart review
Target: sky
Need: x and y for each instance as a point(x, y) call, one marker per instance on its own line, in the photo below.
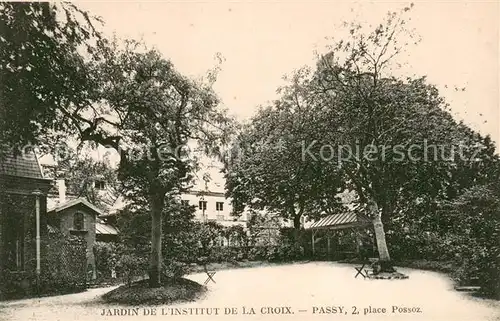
point(260, 42)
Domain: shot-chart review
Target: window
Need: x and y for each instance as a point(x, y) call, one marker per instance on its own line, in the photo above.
point(219, 206)
point(78, 221)
point(100, 184)
point(202, 205)
point(185, 202)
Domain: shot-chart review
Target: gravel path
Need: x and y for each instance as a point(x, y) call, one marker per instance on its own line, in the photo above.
point(310, 291)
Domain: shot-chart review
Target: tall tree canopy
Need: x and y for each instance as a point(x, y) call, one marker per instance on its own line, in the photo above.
point(152, 114)
point(351, 123)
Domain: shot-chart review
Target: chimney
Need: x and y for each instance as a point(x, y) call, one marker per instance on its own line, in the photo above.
point(61, 187)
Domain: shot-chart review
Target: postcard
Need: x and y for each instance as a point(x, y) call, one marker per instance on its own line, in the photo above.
point(249, 160)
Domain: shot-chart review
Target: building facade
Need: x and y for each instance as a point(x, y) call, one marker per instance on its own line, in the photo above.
point(213, 207)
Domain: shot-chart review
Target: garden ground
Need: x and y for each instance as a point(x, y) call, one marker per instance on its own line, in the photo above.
point(304, 287)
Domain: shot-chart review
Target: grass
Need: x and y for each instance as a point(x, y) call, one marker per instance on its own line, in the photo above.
point(172, 290)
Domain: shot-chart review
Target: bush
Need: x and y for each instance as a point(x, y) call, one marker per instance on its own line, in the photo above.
point(258, 253)
point(285, 252)
point(228, 254)
point(130, 266)
point(64, 268)
point(106, 256)
point(477, 224)
point(16, 285)
point(479, 265)
point(174, 270)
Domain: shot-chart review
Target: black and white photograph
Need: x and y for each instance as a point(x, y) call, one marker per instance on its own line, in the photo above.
point(250, 160)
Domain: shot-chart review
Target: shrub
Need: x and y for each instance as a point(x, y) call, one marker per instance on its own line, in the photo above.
point(258, 253)
point(476, 224)
point(285, 252)
point(479, 265)
point(130, 266)
point(106, 258)
point(174, 270)
point(64, 267)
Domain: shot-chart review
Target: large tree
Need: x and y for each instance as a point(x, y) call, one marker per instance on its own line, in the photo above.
point(266, 171)
point(391, 140)
point(153, 113)
point(395, 139)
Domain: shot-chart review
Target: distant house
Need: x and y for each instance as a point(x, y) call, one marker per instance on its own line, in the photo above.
point(213, 206)
point(23, 219)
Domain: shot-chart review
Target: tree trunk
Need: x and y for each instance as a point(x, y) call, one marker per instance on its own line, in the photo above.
point(156, 232)
point(383, 251)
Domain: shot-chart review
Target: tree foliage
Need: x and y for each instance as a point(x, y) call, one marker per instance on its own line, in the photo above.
point(154, 113)
point(351, 123)
point(43, 60)
point(473, 236)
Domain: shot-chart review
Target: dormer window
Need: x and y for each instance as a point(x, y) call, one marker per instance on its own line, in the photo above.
point(100, 184)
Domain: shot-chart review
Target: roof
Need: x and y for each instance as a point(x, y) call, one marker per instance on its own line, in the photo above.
point(53, 200)
point(75, 202)
point(24, 165)
point(207, 193)
point(340, 221)
point(105, 229)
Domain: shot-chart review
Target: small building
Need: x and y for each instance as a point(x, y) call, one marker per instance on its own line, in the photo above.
point(77, 217)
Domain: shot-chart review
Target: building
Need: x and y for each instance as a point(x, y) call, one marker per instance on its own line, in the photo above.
point(212, 206)
point(23, 220)
point(105, 231)
point(75, 216)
